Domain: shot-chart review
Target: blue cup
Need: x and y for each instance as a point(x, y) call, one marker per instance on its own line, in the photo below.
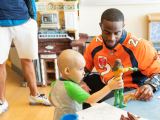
point(69, 117)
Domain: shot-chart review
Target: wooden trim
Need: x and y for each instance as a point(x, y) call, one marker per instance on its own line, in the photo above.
point(49, 12)
point(75, 10)
point(8, 63)
point(70, 3)
point(17, 70)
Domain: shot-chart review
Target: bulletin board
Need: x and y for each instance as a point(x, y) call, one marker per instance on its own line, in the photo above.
point(155, 31)
point(113, 2)
point(154, 27)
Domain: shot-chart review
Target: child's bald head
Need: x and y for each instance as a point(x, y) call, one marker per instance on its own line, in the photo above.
point(69, 58)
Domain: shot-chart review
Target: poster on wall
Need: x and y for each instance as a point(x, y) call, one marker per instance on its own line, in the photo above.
point(155, 31)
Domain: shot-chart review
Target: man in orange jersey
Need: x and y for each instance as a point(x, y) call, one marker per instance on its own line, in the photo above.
point(116, 43)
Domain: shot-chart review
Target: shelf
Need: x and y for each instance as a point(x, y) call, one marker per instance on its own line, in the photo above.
point(49, 60)
point(39, 83)
point(57, 25)
point(50, 76)
point(80, 42)
point(49, 12)
point(70, 2)
point(65, 40)
point(57, 49)
point(70, 10)
point(70, 29)
point(50, 66)
point(50, 71)
point(50, 81)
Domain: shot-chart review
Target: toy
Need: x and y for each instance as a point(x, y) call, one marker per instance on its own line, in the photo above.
point(118, 71)
point(128, 96)
point(58, 18)
point(69, 117)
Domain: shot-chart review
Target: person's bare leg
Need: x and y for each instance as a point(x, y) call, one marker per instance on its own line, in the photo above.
point(29, 73)
point(3, 75)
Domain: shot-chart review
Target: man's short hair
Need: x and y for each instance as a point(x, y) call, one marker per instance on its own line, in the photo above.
point(113, 15)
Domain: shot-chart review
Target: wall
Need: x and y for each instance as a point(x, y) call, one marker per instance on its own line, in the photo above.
point(15, 62)
point(135, 18)
point(135, 21)
point(14, 58)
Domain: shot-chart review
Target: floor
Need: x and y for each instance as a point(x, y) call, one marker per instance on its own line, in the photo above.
point(18, 100)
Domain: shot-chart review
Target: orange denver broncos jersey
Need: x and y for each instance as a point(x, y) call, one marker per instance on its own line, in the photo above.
point(133, 52)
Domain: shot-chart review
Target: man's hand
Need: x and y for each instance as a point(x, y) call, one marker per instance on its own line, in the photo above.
point(144, 93)
point(84, 86)
point(131, 117)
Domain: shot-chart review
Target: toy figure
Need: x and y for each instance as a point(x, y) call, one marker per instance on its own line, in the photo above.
point(118, 71)
point(128, 96)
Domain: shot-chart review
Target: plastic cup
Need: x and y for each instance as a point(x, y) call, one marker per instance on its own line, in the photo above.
point(69, 117)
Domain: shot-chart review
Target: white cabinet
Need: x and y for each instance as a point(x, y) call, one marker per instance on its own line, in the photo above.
point(71, 20)
point(49, 69)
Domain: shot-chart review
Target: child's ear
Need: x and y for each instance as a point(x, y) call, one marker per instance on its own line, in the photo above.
point(66, 70)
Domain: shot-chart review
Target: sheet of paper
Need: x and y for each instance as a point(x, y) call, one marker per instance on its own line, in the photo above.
point(103, 111)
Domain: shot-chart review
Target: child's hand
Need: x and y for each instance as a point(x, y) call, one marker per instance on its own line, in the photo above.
point(115, 83)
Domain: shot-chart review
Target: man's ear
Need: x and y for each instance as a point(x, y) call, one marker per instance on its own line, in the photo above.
point(100, 24)
point(66, 70)
point(123, 25)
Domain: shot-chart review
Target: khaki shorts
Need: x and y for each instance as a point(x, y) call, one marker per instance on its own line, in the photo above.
point(24, 37)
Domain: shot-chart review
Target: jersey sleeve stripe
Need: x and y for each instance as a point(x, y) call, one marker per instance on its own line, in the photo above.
point(156, 58)
point(124, 37)
point(96, 50)
point(137, 77)
point(132, 57)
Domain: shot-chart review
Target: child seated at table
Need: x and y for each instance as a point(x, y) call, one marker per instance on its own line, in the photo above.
point(66, 95)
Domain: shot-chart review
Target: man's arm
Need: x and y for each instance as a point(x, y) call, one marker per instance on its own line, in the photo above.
point(154, 81)
point(148, 64)
point(31, 8)
point(87, 72)
point(82, 84)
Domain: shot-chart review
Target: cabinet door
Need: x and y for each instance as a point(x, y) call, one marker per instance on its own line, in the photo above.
point(71, 20)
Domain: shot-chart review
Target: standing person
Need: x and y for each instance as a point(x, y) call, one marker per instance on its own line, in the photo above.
point(115, 42)
point(17, 24)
